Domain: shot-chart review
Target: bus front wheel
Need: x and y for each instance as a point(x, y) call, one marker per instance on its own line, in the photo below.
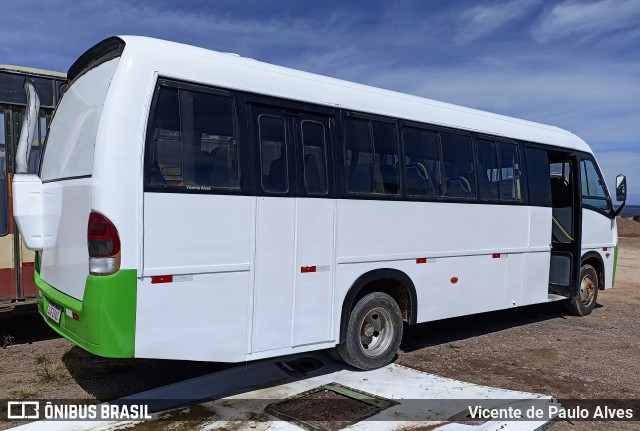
point(374, 332)
point(583, 303)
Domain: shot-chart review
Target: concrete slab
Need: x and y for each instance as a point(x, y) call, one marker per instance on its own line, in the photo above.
point(237, 398)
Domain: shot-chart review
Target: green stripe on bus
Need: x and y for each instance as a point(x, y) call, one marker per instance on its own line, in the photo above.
point(615, 264)
point(106, 315)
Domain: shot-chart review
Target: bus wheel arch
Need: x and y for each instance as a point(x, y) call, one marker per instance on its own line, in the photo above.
point(373, 312)
point(591, 280)
point(393, 282)
point(595, 260)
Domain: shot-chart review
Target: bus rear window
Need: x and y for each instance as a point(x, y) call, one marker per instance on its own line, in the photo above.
point(72, 134)
point(98, 54)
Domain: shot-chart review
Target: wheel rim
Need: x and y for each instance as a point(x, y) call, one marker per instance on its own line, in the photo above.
point(376, 332)
point(587, 290)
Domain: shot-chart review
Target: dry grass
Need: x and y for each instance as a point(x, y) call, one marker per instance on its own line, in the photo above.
point(7, 340)
point(24, 392)
point(50, 372)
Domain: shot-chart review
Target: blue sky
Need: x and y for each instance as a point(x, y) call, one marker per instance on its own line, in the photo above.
point(573, 63)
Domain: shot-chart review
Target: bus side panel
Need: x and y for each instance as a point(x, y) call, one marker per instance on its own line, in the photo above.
point(201, 312)
point(536, 274)
point(274, 274)
point(369, 230)
point(515, 278)
point(480, 285)
point(481, 245)
point(314, 289)
point(203, 318)
point(599, 232)
point(536, 278)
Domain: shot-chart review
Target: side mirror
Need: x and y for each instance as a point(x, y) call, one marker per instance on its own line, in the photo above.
point(621, 188)
point(621, 195)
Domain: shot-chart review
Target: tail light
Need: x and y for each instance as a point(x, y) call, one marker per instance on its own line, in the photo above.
point(104, 245)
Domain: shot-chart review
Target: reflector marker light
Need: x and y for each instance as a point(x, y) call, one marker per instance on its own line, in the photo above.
point(72, 314)
point(308, 269)
point(496, 255)
point(161, 279)
point(421, 260)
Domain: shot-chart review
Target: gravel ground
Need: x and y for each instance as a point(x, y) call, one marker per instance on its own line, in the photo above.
point(628, 228)
point(537, 349)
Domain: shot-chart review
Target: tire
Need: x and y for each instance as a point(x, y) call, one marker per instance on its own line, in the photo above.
point(375, 313)
point(585, 301)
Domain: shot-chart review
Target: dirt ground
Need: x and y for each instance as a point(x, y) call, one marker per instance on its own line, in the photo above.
point(35, 363)
point(537, 349)
point(627, 227)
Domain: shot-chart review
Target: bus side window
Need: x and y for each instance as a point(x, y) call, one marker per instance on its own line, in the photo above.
point(510, 183)
point(273, 154)
point(488, 169)
point(193, 143)
point(359, 156)
point(371, 151)
point(165, 162)
point(216, 152)
point(422, 175)
point(314, 151)
point(538, 178)
point(458, 166)
point(386, 158)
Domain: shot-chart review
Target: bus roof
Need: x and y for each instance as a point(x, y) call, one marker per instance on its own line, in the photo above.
point(32, 71)
point(246, 74)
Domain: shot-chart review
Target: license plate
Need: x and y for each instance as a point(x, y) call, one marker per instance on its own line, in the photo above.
point(54, 311)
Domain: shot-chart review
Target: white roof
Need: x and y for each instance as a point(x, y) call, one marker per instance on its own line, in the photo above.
point(32, 71)
point(204, 66)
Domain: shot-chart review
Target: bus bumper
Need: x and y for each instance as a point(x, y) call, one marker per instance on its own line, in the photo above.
point(103, 323)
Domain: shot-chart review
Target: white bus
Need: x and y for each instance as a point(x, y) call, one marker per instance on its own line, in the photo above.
point(199, 205)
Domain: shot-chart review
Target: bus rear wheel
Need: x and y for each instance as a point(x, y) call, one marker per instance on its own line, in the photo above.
point(374, 332)
point(584, 302)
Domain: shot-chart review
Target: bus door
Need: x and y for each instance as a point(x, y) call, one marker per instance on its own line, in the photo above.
point(294, 235)
point(566, 224)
